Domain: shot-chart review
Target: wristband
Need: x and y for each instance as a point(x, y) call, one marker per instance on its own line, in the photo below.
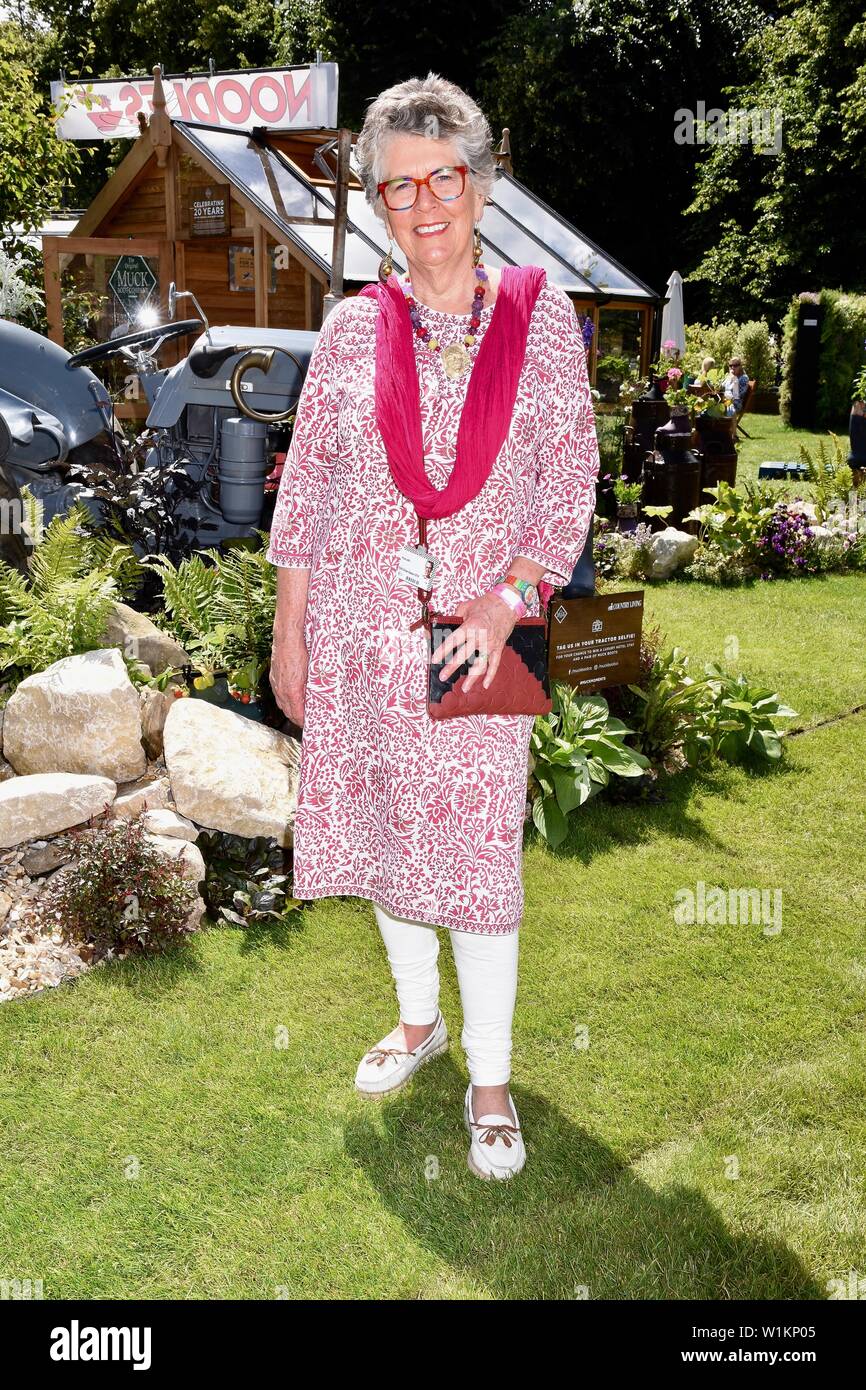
point(524, 587)
point(513, 599)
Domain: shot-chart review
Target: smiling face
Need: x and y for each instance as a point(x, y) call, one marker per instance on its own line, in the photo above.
point(431, 234)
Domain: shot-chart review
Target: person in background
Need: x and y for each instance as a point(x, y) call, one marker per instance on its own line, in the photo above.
point(702, 384)
point(735, 385)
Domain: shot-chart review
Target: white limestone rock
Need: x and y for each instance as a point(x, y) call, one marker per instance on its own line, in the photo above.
point(165, 822)
point(82, 714)
point(670, 549)
point(229, 773)
point(188, 856)
point(141, 640)
point(150, 793)
point(155, 705)
point(36, 805)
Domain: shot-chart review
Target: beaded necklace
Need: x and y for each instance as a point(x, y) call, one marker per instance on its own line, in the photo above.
point(455, 358)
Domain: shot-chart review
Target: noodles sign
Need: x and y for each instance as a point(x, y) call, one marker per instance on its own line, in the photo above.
point(297, 98)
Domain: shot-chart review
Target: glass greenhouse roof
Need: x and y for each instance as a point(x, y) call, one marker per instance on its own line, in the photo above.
point(517, 227)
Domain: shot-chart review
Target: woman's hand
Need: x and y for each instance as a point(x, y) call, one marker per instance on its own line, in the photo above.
point(487, 623)
point(288, 676)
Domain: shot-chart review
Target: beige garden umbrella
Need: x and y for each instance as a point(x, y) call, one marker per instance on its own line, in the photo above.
point(673, 322)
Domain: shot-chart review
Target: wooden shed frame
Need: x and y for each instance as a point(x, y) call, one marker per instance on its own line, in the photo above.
point(163, 141)
point(157, 155)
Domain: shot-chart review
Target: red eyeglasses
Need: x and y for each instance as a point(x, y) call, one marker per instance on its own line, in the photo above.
point(446, 183)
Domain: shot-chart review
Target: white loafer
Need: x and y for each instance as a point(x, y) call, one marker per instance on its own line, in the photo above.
point(497, 1149)
point(387, 1067)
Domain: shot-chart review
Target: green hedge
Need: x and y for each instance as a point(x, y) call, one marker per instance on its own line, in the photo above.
point(750, 340)
point(843, 331)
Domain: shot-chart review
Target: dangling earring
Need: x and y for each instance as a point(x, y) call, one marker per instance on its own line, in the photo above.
point(476, 250)
point(386, 265)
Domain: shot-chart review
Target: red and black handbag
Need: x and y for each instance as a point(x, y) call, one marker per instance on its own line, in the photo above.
point(521, 684)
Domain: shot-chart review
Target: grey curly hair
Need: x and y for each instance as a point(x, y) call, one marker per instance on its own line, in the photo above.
point(429, 106)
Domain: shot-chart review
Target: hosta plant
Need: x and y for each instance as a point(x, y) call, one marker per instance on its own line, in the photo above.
point(733, 521)
point(670, 703)
point(739, 725)
point(699, 719)
point(576, 749)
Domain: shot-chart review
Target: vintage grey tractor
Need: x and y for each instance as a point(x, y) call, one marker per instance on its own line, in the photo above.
point(206, 468)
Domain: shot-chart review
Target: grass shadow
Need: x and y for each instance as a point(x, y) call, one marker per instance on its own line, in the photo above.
point(605, 823)
point(576, 1223)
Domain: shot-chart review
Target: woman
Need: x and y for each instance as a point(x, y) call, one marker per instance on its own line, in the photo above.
point(422, 817)
point(735, 385)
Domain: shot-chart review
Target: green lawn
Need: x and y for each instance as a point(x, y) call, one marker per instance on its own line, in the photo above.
point(772, 441)
point(804, 637)
point(187, 1128)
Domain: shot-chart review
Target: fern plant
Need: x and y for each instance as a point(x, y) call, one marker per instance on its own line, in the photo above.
point(61, 606)
point(222, 611)
point(830, 476)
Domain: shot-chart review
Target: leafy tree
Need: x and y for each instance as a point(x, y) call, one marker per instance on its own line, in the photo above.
point(36, 167)
point(590, 92)
point(776, 224)
point(97, 38)
point(377, 47)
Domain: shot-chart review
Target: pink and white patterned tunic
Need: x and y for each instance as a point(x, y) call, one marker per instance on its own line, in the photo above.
point(423, 817)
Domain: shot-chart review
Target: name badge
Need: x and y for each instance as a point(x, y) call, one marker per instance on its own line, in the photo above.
point(416, 567)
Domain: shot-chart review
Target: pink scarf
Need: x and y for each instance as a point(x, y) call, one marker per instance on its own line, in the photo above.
point(490, 396)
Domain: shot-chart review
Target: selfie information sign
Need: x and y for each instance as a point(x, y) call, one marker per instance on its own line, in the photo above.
point(595, 642)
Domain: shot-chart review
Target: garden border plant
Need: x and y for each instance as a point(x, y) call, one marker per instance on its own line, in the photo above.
point(221, 608)
point(60, 608)
point(677, 721)
point(120, 893)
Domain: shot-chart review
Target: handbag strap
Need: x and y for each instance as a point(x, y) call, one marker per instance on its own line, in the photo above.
point(423, 594)
point(545, 591)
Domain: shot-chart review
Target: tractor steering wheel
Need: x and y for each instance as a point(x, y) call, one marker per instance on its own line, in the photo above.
point(139, 339)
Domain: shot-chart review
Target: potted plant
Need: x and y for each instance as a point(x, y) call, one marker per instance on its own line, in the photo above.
point(666, 371)
point(712, 416)
point(677, 396)
point(238, 688)
point(627, 502)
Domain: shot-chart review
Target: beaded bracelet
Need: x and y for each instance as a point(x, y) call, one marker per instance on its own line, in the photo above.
point(511, 597)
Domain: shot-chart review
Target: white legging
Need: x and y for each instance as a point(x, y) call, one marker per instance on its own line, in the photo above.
point(487, 976)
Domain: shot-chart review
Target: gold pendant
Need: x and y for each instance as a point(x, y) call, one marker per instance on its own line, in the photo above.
point(455, 360)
